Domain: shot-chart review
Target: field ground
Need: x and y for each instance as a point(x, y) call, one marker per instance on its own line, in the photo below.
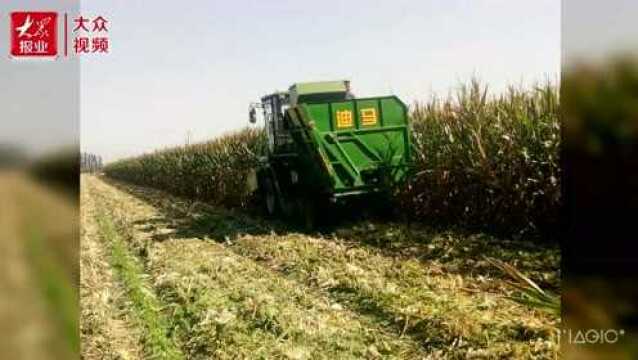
point(38, 300)
point(163, 277)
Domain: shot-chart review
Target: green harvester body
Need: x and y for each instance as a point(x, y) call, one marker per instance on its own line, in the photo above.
point(326, 144)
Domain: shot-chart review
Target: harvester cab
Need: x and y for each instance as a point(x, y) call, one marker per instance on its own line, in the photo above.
point(325, 146)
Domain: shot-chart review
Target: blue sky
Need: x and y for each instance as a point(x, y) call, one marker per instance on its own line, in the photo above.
point(191, 68)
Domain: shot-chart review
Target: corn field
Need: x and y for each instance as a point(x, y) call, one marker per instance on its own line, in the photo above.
point(482, 161)
point(203, 281)
point(487, 162)
point(215, 171)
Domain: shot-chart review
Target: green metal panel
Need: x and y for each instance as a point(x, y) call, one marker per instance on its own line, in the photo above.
point(393, 113)
point(320, 113)
point(352, 141)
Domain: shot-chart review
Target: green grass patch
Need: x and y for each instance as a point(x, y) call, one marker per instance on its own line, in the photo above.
point(225, 306)
point(60, 294)
point(230, 307)
point(419, 283)
point(444, 311)
point(146, 307)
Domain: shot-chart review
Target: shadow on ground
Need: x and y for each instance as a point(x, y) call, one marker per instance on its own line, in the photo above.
point(455, 250)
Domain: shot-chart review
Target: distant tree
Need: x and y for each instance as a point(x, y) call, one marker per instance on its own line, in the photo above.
point(90, 163)
point(11, 155)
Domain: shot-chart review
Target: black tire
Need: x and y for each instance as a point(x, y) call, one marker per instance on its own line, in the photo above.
point(306, 213)
point(269, 197)
point(288, 207)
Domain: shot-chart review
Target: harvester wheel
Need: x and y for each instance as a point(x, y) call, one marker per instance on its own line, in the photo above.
point(270, 197)
point(287, 206)
point(306, 213)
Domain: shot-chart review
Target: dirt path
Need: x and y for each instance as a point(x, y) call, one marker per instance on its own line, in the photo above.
point(231, 286)
point(105, 327)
